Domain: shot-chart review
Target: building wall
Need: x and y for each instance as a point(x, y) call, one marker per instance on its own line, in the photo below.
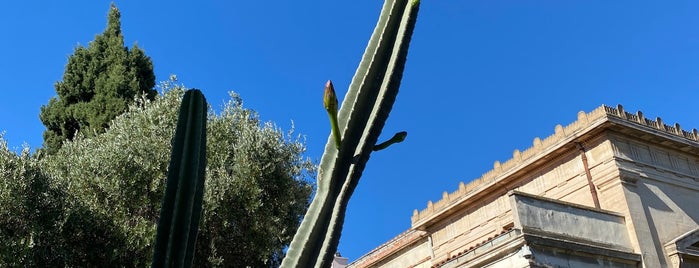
point(408, 249)
point(511, 261)
point(470, 226)
point(561, 178)
point(564, 178)
point(554, 257)
point(661, 185)
point(570, 222)
point(642, 170)
point(416, 256)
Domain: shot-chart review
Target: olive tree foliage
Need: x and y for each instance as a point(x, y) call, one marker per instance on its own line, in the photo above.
point(42, 226)
point(30, 212)
point(107, 189)
point(254, 192)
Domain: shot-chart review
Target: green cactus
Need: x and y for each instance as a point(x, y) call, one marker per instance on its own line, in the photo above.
point(361, 118)
point(181, 208)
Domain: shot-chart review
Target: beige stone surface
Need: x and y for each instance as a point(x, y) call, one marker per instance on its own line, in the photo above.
point(644, 173)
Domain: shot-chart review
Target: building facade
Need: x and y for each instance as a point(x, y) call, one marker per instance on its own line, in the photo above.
point(612, 189)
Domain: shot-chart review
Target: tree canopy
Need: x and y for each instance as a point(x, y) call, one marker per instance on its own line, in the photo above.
point(91, 196)
point(102, 193)
point(99, 83)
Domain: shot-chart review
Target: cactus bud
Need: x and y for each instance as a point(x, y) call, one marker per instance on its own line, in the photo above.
point(330, 103)
point(329, 98)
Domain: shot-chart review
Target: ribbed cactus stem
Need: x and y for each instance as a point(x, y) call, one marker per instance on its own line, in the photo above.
point(182, 203)
point(361, 118)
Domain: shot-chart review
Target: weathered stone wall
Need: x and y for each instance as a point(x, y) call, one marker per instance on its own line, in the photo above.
point(553, 257)
point(562, 178)
point(470, 227)
point(570, 222)
point(409, 249)
point(661, 186)
point(643, 170)
point(416, 256)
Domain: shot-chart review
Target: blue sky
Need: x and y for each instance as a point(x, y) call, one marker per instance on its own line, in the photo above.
point(483, 78)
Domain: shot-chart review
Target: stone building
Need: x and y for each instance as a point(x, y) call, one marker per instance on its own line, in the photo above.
point(612, 189)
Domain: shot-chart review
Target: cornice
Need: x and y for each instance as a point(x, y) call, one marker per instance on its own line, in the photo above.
point(543, 150)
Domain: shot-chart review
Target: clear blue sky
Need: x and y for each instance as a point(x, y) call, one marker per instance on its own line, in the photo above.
point(483, 77)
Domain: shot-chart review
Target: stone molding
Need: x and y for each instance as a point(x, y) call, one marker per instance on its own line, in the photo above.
point(562, 135)
point(386, 249)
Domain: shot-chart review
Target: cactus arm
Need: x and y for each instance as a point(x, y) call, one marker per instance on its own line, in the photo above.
point(361, 118)
point(398, 137)
point(382, 105)
point(330, 103)
point(182, 202)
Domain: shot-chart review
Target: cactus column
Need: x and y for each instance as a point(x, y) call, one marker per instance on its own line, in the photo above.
point(181, 208)
point(361, 118)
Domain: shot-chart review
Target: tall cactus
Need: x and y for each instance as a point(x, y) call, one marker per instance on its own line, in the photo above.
point(181, 208)
point(361, 118)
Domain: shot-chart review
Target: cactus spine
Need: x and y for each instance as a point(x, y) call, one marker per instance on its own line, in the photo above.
point(182, 203)
point(361, 118)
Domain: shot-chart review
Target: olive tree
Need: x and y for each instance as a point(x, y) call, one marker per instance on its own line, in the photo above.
point(257, 186)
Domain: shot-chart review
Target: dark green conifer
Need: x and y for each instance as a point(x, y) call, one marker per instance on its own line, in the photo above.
point(99, 83)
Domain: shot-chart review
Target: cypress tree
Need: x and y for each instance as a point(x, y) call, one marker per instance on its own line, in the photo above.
point(99, 83)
